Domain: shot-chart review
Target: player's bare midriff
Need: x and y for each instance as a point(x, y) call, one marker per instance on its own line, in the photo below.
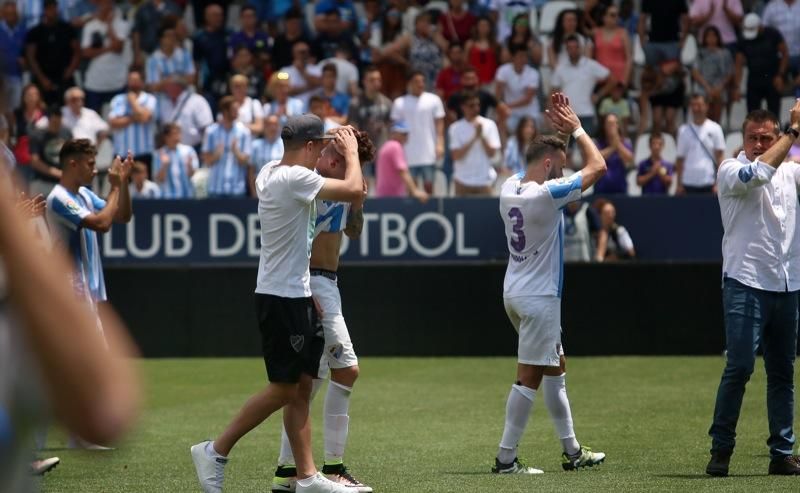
point(325, 251)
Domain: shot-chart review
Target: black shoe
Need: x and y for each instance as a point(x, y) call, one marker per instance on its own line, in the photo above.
point(718, 465)
point(788, 465)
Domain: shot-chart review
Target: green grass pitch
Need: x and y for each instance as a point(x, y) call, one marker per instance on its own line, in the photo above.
point(432, 425)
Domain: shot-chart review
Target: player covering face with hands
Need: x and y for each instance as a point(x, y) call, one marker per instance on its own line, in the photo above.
point(531, 207)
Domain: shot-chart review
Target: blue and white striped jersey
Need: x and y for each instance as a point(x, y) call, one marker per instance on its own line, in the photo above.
point(136, 137)
point(31, 11)
point(177, 184)
point(265, 151)
point(534, 225)
point(227, 177)
point(65, 211)
point(331, 216)
point(160, 66)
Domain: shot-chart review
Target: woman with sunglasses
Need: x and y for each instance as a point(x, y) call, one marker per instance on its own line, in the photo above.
point(612, 47)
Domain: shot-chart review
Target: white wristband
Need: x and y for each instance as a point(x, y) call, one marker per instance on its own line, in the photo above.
point(578, 132)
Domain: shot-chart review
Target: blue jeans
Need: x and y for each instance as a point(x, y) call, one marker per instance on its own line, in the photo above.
point(753, 319)
point(425, 171)
point(656, 53)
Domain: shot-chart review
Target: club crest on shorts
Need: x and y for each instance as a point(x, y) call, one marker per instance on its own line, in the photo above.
point(297, 343)
point(336, 351)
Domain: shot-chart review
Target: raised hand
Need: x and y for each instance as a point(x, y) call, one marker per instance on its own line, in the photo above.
point(561, 115)
point(115, 172)
point(126, 167)
point(794, 114)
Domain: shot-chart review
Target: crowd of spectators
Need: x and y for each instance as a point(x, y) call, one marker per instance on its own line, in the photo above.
point(198, 89)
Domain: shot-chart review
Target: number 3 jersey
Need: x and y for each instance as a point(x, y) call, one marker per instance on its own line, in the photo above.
point(534, 226)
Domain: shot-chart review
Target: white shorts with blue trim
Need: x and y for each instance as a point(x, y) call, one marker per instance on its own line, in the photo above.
point(338, 351)
point(537, 320)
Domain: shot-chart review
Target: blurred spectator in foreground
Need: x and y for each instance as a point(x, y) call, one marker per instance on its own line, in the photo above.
point(141, 186)
point(655, 174)
point(613, 240)
point(483, 51)
point(279, 102)
point(84, 123)
point(391, 169)
point(424, 114)
point(514, 159)
point(568, 24)
point(516, 84)
point(424, 48)
point(283, 45)
point(132, 118)
point(457, 22)
point(470, 83)
point(725, 15)
point(581, 227)
point(251, 113)
point(45, 146)
point(339, 102)
point(449, 79)
point(618, 153)
point(474, 144)
point(168, 64)
point(250, 35)
point(12, 62)
point(577, 78)
point(763, 51)
point(265, 149)
point(186, 108)
point(146, 24)
point(612, 46)
point(174, 165)
point(522, 34)
point(210, 53)
point(226, 151)
point(102, 43)
point(304, 76)
point(617, 104)
point(784, 15)
point(53, 54)
point(713, 72)
point(371, 110)
point(701, 145)
point(668, 22)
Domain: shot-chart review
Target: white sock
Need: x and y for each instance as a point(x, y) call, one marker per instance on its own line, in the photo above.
point(286, 457)
point(555, 398)
point(337, 403)
point(518, 409)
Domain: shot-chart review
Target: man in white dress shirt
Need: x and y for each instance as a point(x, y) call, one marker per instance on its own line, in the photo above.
point(761, 278)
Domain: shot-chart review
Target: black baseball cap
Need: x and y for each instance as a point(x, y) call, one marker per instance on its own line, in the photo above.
point(303, 128)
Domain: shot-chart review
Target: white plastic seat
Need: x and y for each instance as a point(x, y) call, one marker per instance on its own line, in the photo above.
point(733, 142)
point(550, 11)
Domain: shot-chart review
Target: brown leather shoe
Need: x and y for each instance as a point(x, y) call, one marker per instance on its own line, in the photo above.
point(788, 465)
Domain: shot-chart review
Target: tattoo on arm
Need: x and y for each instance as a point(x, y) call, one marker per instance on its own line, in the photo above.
point(355, 223)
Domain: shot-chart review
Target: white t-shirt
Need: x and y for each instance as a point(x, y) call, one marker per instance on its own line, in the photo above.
point(534, 225)
point(297, 81)
point(191, 111)
point(287, 211)
point(150, 190)
point(346, 73)
point(420, 115)
point(250, 111)
point(109, 71)
point(516, 85)
point(577, 82)
point(86, 125)
point(699, 168)
point(475, 168)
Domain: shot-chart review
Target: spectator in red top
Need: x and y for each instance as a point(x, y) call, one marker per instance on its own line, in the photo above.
point(612, 47)
point(483, 50)
point(457, 23)
point(391, 168)
point(449, 79)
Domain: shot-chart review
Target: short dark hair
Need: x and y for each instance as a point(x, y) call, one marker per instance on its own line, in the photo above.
point(226, 102)
point(53, 110)
point(469, 96)
point(469, 69)
point(76, 148)
point(455, 45)
point(572, 37)
point(516, 48)
point(542, 146)
point(655, 136)
point(330, 67)
point(316, 98)
point(415, 73)
point(168, 128)
point(293, 13)
point(247, 7)
point(761, 116)
point(370, 69)
point(697, 95)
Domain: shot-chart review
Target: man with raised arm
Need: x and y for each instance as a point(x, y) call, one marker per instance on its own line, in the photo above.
point(531, 206)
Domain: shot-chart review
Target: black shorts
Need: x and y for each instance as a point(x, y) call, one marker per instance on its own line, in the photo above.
point(292, 339)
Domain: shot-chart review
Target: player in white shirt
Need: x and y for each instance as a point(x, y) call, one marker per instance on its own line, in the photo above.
point(531, 207)
point(292, 340)
point(758, 194)
point(333, 220)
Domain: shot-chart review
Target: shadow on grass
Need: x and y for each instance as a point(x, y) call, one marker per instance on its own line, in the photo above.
point(707, 477)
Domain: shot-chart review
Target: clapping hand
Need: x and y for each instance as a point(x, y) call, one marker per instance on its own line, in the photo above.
point(561, 115)
point(126, 168)
point(31, 208)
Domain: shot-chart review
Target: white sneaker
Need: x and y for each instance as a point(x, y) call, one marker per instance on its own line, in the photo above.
point(40, 467)
point(321, 484)
point(78, 443)
point(210, 469)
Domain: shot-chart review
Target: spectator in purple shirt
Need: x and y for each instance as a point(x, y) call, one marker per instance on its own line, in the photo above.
point(251, 35)
point(618, 153)
point(655, 174)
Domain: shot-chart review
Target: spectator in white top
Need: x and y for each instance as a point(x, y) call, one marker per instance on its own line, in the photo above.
point(474, 144)
point(132, 117)
point(304, 76)
point(701, 145)
point(142, 187)
point(758, 202)
point(102, 44)
point(186, 108)
point(423, 113)
point(577, 78)
point(81, 121)
point(516, 84)
point(251, 113)
point(784, 15)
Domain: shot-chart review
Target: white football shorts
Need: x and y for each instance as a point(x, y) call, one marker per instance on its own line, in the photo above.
point(537, 320)
point(338, 351)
